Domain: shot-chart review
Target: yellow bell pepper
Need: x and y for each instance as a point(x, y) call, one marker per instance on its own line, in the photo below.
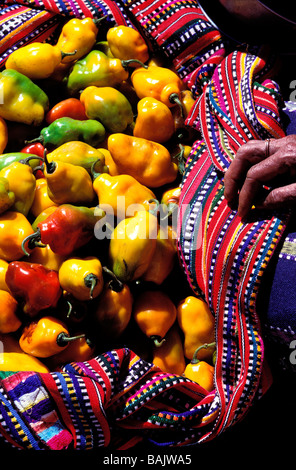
point(41, 201)
point(127, 43)
point(201, 372)
point(112, 168)
point(160, 83)
point(113, 310)
point(45, 337)
point(7, 197)
point(22, 183)
point(109, 106)
point(68, 183)
point(77, 351)
point(198, 325)
point(154, 121)
point(155, 313)
point(46, 257)
point(78, 35)
point(80, 154)
point(3, 269)
point(36, 61)
point(119, 193)
point(14, 228)
point(132, 245)
point(169, 357)
point(148, 162)
point(82, 277)
point(164, 257)
point(9, 319)
point(13, 358)
point(3, 135)
point(23, 101)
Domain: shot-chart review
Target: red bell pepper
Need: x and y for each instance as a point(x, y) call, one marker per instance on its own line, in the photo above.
point(33, 285)
point(36, 149)
point(70, 107)
point(66, 229)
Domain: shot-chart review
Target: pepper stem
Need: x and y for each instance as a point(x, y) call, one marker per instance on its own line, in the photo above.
point(155, 207)
point(114, 283)
point(40, 139)
point(157, 340)
point(174, 98)
point(65, 54)
point(63, 338)
point(33, 240)
point(31, 157)
point(99, 20)
point(94, 173)
point(125, 63)
point(91, 281)
point(194, 359)
point(50, 166)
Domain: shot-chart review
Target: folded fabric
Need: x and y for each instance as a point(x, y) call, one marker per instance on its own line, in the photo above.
point(117, 398)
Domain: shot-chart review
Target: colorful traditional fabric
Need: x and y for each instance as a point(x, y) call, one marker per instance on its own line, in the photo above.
point(117, 398)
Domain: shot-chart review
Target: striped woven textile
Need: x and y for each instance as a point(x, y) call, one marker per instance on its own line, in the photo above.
point(117, 398)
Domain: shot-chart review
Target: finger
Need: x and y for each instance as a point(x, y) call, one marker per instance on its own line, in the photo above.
point(278, 198)
point(247, 155)
point(258, 175)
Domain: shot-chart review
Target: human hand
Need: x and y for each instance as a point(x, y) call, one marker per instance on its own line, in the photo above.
point(262, 174)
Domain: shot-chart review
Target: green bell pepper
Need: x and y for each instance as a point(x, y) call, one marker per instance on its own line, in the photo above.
point(67, 129)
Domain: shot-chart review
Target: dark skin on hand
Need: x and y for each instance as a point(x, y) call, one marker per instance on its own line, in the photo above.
point(267, 182)
point(261, 176)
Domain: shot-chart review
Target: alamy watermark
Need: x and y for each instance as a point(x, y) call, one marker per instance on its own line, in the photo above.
point(168, 215)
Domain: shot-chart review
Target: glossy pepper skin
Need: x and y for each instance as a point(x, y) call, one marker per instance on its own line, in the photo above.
point(121, 192)
point(80, 350)
point(155, 313)
point(68, 183)
point(148, 162)
point(14, 227)
point(36, 61)
point(33, 285)
point(3, 135)
point(66, 229)
point(11, 157)
point(41, 201)
point(70, 107)
point(158, 82)
point(201, 372)
point(109, 106)
point(113, 310)
point(3, 269)
point(45, 337)
point(154, 121)
point(170, 355)
point(83, 278)
point(23, 100)
point(164, 258)
point(13, 358)
point(22, 183)
point(66, 129)
point(97, 69)
point(7, 197)
point(132, 245)
point(127, 43)
point(80, 154)
point(77, 35)
point(198, 325)
point(9, 319)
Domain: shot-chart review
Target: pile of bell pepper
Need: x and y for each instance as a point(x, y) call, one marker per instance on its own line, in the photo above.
point(93, 142)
